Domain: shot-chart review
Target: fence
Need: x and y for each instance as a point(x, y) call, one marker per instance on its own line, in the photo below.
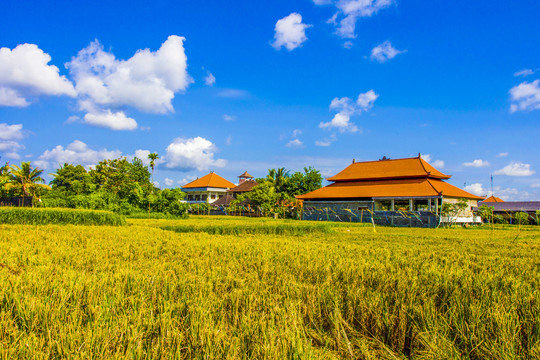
point(25, 201)
point(384, 218)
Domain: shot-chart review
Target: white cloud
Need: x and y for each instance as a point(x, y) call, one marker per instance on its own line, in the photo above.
point(108, 119)
point(24, 72)
point(476, 189)
point(209, 79)
point(347, 108)
point(169, 182)
point(229, 140)
point(192, 154)
point(290, 32)
point(515, 169)
point(525, 96)
point(350, 10)
point(295, 143)
point(503, 154)
point(229, 117)
point(75, 153)
point(438, 164)
point(143, 156)
point(384, 52)
point(11, 132)
point(426, 157)
point(524, 72)
point(477, 163)
point(147, 81)
point(296, 132)
point(9, 136)
point(13, 155)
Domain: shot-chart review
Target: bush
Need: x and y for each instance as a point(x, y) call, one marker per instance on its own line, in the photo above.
point(43, 216)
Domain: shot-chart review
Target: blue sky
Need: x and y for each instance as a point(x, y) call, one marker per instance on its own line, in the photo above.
point(247, 85)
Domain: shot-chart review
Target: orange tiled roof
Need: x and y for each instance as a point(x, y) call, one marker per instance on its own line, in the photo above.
point(420, 187)
point(389, 169)
point(210, 180)
point(493, 199)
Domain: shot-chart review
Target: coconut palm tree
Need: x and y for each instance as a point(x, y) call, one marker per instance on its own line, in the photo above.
point(153, 157)
point(278, 178)
point(25, 179)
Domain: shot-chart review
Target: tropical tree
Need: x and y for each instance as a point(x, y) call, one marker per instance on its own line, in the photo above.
point(153, 157)
point(26, 180)
point(278, 178)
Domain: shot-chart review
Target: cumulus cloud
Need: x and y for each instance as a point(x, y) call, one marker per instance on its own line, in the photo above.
point(326, 141)
point(9, 139)
point(75, 153)
point(384, 52)
point(147, 81)
point(525, 96)
point(476, 189)
point(290, 32)
point(24, 72)
point(477, 163)
point(502, 154)
point(516, 169)
point(227, 117)
point(349, 11)
point(192, 154)
point(112, 120)
point(524, 72)
point(438, 164)
point(169, 182)
point(209, 79)
point(346, 108)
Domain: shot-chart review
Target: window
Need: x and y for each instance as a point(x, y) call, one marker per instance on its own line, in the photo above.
point(203, 197)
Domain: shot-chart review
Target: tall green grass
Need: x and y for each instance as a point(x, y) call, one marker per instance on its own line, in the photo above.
point(253, 229)
point(43, 216)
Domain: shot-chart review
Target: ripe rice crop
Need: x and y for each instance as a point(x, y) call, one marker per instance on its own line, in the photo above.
point(43, 216)
point(140, 291)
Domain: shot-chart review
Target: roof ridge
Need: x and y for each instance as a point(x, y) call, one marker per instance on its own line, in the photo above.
point(437, 191)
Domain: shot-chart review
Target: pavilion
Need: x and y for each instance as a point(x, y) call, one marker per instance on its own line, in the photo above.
point(409, 184)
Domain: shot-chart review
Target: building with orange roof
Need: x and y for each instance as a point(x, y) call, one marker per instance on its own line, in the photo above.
point(409, 184)
point(208, 189)
point(492, 199)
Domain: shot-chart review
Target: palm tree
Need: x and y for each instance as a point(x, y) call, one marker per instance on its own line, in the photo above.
point(153, 157)
point(26, 179)
point(278, 179)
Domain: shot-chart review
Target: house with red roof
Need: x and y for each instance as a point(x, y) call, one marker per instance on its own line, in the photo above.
point(208, 189)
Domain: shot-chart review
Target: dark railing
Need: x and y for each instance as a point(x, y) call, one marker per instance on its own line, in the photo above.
point(25, 201)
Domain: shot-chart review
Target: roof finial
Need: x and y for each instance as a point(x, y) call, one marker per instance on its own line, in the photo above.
point(419, 155)
point(353, 161)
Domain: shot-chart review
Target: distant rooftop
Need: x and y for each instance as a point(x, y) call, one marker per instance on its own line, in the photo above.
point(389, 169)
point(210, 180)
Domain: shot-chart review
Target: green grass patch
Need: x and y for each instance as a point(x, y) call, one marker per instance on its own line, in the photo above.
point(255, 229)
point(44, 216)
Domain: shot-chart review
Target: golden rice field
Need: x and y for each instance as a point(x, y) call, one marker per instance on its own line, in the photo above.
point(332, 292)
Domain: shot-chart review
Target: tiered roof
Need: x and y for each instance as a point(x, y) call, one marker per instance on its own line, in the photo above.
point(389, 169)
point(210, 180)
point(410, 177)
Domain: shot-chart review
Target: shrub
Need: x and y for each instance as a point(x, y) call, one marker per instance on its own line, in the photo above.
point(43, 216)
